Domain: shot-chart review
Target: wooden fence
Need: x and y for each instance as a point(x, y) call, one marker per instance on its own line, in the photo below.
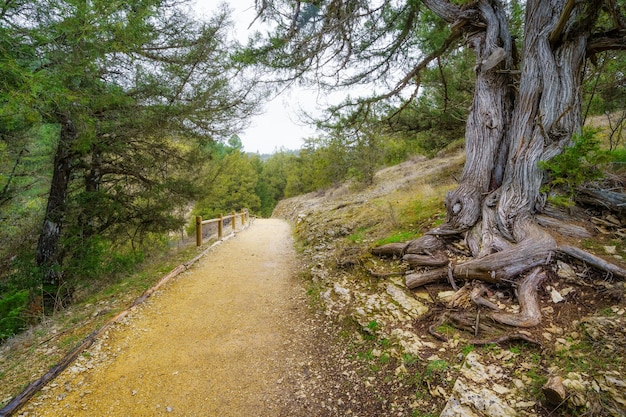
point(235, 218)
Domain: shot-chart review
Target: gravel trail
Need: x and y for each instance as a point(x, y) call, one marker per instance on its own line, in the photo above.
point(220, 340)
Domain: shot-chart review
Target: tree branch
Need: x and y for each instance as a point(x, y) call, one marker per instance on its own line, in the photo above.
point(444, 9)
point(567, 12)
point(607, 41)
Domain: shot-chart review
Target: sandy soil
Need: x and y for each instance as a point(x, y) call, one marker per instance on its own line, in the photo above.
point(217, 341)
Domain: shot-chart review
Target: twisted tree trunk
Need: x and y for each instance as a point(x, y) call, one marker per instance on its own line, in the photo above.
point(518, 118)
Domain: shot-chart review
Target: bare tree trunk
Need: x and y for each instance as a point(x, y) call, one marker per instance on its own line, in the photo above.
point(48, 254)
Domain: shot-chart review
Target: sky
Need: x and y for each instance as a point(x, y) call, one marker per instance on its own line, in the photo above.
point(280, 125)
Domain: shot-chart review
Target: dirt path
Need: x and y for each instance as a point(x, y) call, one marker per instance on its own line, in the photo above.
point(220, 340)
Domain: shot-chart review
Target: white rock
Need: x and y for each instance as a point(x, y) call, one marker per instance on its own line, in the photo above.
point(556, 296)
point(465, 398)
point(477, 389)
point(343, 292)
point(445, 294)
point(565, 270)
point(610, 250)
point(410, 304)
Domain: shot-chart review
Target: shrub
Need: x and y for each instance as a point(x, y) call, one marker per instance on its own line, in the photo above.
point(577, 164)
point(13, 305)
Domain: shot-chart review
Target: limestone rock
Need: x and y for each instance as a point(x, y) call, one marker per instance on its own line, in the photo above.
point(473, 394)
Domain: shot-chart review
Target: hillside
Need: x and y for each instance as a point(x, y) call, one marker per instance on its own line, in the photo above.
point(388, 331)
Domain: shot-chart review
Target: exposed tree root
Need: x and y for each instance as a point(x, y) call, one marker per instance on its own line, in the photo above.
point(425, 245)
point(563, 228)
point(471, 323)
point(418, 279)
point(593, 261)
point(451, 280)
point(462, 322)
point(498, 256)
point(506, 265)
point(530, 313)
point(477, 298)
point(515, 337)
point(391, 250)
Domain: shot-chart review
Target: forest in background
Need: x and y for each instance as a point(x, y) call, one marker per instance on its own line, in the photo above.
point(119, 121)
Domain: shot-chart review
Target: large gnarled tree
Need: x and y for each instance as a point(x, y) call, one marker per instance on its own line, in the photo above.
point(526, 109)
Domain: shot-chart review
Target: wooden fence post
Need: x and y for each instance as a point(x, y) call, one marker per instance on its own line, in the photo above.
point(198, 230)
point(234, 216)
point(220, 227)
point(243, 217)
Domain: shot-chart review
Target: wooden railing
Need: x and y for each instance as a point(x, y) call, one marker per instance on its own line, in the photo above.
point(235, 218)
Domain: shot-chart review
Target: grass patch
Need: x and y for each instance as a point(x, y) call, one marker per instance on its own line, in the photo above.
point(359, 235)
point(398, 237)
point(424, 214)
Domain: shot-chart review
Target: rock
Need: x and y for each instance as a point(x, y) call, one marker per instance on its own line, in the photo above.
point(564, 270)
point(610, 250)
point(606, 329)
point(465, 398)
point(445, 294)
point(412, 306)
point(342, 291)
point(555, 295)
point(473, 393)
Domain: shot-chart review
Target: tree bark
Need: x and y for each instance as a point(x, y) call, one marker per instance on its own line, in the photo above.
point(508, 134)
point(48, 255)
point(499, 191)
point(488, 121)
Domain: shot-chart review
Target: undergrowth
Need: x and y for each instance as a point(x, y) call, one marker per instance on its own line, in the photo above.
point(582, 162)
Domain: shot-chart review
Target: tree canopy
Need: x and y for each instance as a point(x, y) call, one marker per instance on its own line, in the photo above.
point(132, 90)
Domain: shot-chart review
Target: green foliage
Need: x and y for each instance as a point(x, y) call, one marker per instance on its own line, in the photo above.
point(123, 96)
point(435, 367)
point(576, 165)
point(96, 258)
point(397, 237)
point(617, 159)
point(605, 90)
point(424, 213)
point(359, 235)
point(230, 183)
point(273, 180)
point(13, 305)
